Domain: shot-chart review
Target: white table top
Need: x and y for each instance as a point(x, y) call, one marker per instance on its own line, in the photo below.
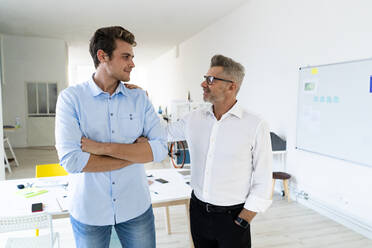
point(17, 204)
point(13, 203)
point(175, 189)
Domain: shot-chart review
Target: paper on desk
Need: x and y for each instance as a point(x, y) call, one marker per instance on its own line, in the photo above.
point(63, 202)
point(50, 183)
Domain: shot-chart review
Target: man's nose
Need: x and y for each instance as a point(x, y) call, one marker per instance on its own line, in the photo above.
point(132, 65)
point(204, 84)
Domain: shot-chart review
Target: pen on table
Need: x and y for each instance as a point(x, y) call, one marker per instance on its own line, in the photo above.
point(154, 192)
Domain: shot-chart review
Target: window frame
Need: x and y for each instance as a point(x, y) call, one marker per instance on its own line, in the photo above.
point(37, 114)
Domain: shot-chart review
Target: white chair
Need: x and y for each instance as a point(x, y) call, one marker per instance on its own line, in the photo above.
point(29, 222)
point(6, 160)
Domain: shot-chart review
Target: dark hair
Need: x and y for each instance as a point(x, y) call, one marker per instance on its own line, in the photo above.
point(231, 68)
point(104, 39)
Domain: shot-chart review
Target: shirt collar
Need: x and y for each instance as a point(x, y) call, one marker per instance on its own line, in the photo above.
point(97, 90)
point(94, 87)
point(121, 89)
point(209, 110)
point(235, 110)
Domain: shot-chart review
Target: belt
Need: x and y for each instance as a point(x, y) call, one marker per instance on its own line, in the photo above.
point(210, 208)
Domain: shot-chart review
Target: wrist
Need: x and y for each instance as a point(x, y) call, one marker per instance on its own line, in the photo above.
point(105, 149)
point(247, 215)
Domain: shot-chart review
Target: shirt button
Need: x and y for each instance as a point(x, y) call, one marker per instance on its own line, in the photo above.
point(114, 199)
point(131, 118)
point(112, 114)
point(109, 97)
point(113, 182)
point(113, 131)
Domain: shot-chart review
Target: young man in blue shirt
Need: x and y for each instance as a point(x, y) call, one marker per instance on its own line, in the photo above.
point(109, 185)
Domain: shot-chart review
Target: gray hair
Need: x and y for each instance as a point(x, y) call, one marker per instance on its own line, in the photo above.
point(231, 68)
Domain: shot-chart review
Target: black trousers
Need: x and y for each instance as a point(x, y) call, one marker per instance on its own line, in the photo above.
point(215, 228)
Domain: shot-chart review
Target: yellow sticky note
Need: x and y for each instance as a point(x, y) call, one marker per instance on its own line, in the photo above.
point(314, 71)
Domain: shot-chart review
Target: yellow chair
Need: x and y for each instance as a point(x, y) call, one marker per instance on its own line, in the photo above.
point(50, 170)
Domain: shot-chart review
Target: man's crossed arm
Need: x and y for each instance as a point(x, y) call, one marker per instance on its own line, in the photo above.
point(114, 155)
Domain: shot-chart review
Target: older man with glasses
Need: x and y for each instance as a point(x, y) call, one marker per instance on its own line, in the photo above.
point(230, 151)
point(231, 160)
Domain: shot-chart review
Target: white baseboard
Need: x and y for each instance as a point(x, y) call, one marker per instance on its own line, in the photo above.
point(335, 214)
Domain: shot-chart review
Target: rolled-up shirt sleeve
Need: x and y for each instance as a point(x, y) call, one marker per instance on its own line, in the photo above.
point(259, 197)
point(68, 134)
point(155, 133)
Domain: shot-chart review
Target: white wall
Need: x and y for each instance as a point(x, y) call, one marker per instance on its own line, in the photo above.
point(80, 63)
point(273, 39)
point(81, 66)
point(2, 169)
point(30, 59)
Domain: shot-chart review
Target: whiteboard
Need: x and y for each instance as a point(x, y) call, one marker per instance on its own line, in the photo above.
point(1, 60)
point(334, 116)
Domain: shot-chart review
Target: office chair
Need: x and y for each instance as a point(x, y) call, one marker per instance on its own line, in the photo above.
point(50, 170)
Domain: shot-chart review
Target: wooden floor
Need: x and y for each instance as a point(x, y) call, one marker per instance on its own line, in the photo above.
point(284, 225)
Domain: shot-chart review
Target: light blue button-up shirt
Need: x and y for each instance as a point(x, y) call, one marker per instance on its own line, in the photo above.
point(106, 198)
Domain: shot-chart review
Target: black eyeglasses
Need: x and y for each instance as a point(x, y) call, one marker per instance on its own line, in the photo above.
point(210, 79)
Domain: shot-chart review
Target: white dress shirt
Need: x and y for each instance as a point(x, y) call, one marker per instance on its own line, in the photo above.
point(231, 158)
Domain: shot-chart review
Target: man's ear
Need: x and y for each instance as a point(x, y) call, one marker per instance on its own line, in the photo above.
point(102, 56)
point(233, 86)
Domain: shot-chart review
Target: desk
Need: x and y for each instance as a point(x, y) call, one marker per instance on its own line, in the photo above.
point(19, 205)
point(175, 192)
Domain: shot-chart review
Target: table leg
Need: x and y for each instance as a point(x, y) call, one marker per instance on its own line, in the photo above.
point(187, 205)
point(167, 220)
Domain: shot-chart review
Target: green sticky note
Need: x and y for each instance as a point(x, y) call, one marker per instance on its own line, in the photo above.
point(30, 192)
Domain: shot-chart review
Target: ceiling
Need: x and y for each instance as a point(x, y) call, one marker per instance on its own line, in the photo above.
point(157, 25)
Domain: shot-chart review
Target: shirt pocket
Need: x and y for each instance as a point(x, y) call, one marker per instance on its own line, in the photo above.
point(130, 125)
